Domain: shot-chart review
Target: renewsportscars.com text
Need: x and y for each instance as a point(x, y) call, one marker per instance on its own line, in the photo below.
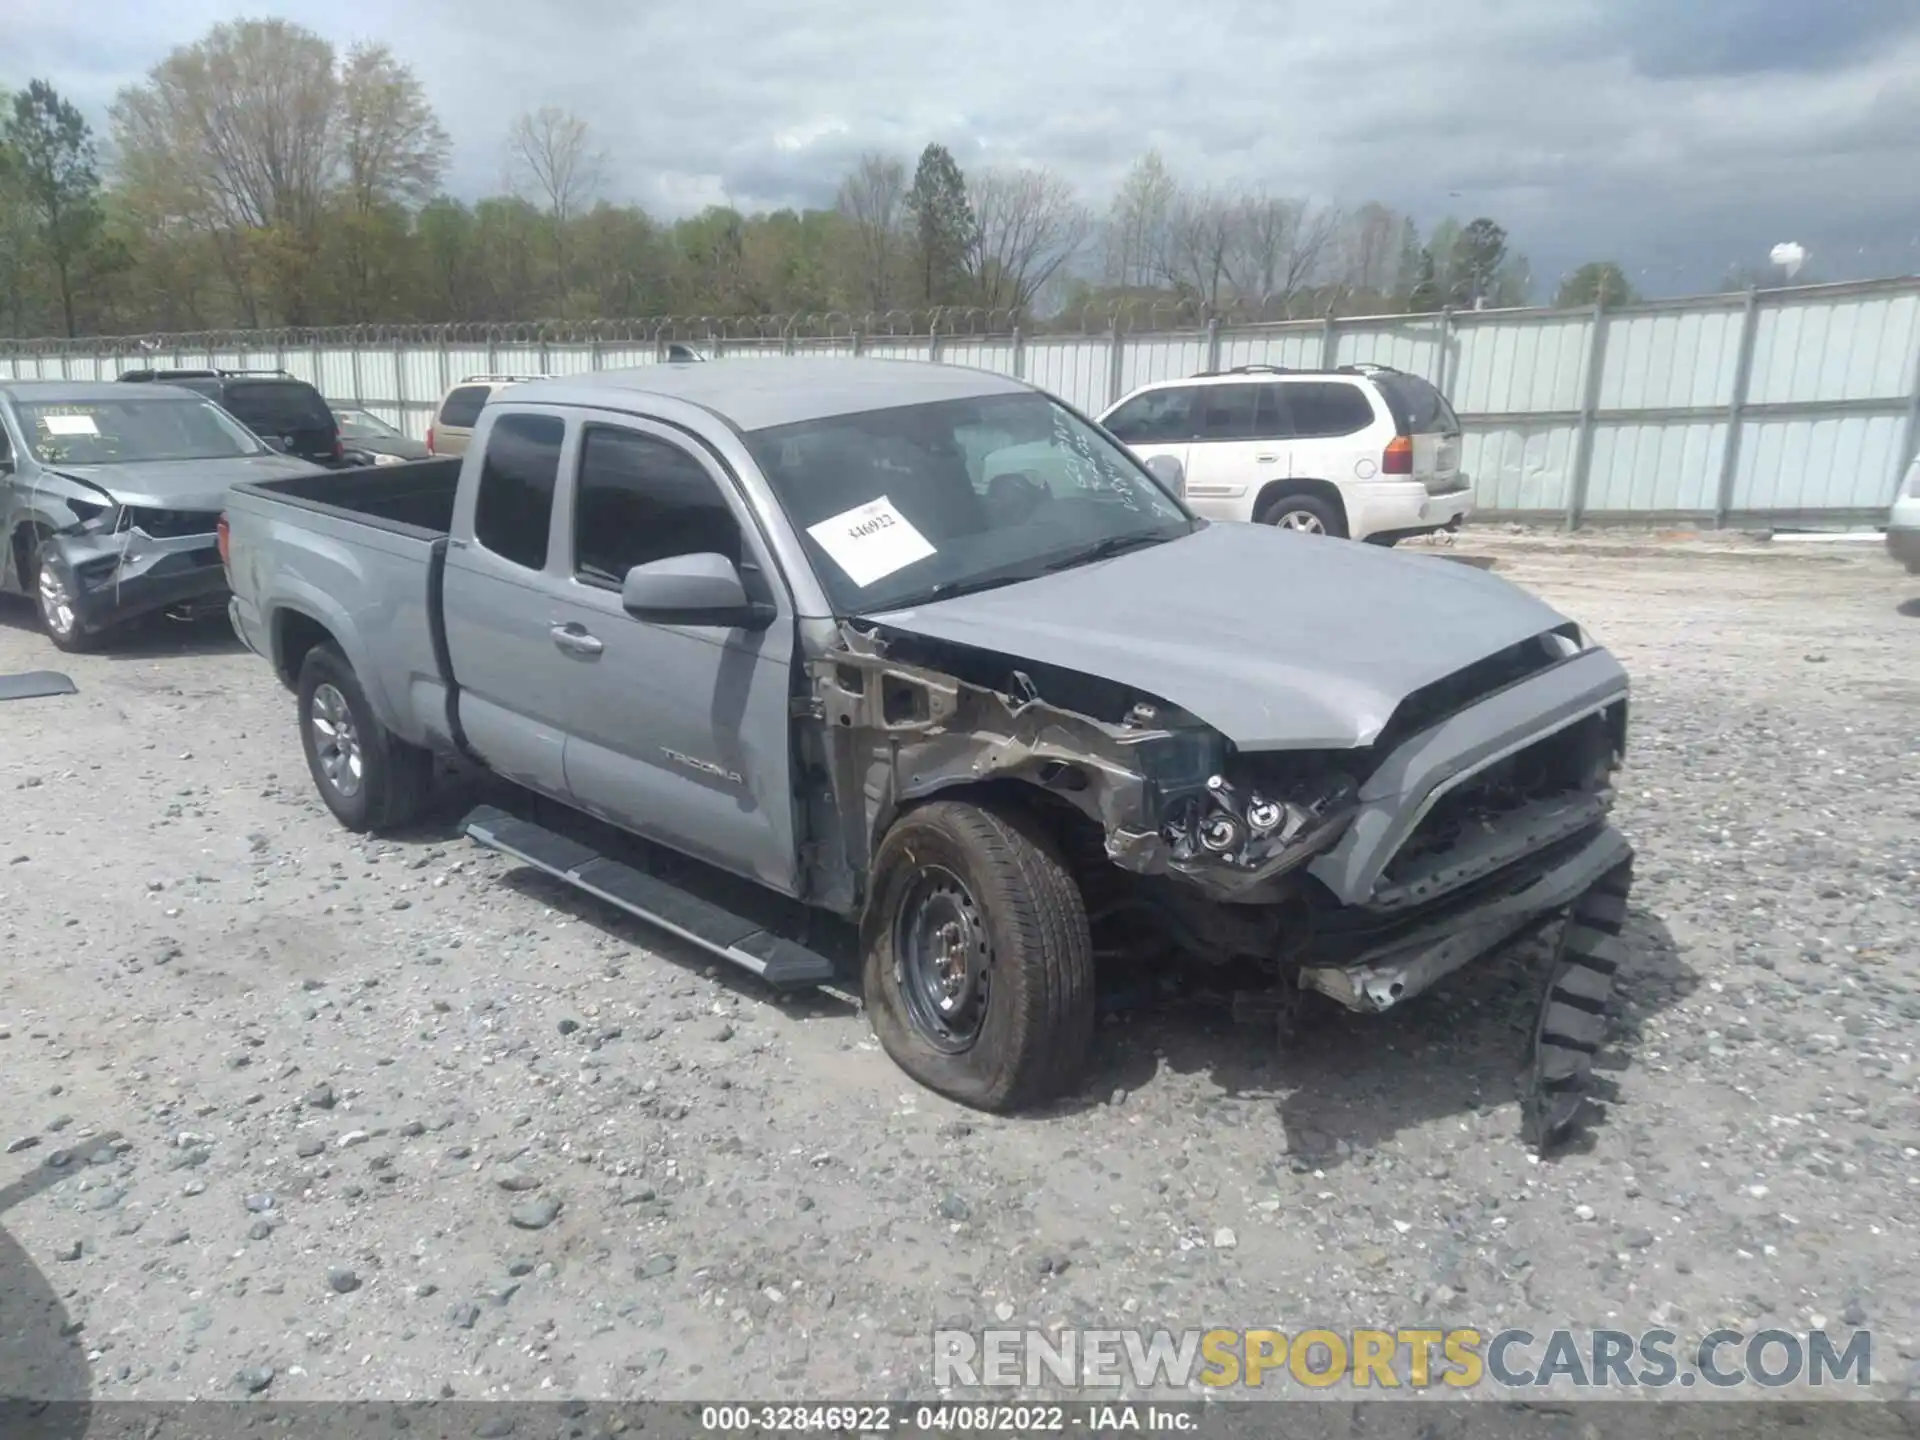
point(1457, 1359)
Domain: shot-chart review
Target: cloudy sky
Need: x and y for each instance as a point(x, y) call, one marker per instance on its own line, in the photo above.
point(1678, 136)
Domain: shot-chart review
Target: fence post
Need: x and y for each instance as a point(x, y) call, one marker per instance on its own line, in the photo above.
point(933, 343)
point(400, 381)
point(1445, 376)
point(359, 390)
point(1742, 376)
point(859, 342)
point(1019, 354)
point(1116, 362)
point(1589, 408)
point(1213, 344)
point(1329, 342)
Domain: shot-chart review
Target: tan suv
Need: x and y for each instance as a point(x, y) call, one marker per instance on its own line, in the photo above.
point(459, 411)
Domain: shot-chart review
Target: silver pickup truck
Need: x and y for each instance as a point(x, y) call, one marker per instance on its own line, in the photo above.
point(926, 649)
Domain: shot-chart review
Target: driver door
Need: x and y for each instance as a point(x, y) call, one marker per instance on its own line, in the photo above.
point(679, 733)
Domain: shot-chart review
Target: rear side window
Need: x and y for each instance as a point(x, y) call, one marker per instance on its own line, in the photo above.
point(1158, 417)
point(1226, 411)
point(278, 409)
point(1323, 409)
point(513, 510)
point(642, 499)
point(462, 406)
point(1418, 408)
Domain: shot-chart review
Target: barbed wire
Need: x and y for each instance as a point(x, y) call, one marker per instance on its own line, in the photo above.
point(1127, 314)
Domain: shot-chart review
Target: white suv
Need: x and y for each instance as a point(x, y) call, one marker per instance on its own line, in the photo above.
point(1365, 451)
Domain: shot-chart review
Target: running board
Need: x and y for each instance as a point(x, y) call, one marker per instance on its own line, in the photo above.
point(781, 963)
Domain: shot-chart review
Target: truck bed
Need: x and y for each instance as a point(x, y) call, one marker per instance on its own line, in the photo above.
point(362, 554)
point(414, 498)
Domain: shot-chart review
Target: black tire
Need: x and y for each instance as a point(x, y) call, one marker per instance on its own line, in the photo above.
point(59, 621)
point(1031, 1035)
point(1572, 1025)
point(1285, 510)
point(373, 782)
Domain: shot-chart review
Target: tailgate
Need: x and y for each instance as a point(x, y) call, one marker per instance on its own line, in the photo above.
point(1421, 413)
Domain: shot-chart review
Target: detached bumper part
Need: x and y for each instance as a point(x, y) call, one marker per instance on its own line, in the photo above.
point(1414, 961)
point(121, 575)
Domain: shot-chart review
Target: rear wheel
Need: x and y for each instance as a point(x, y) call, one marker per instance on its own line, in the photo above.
point(369, 778)
point(978, 963)
point(1305, 514)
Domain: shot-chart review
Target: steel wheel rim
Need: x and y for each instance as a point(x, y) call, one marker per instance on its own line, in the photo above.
point(56, 605)
point(1302, 522)
point(336, 741)
point(943, 961)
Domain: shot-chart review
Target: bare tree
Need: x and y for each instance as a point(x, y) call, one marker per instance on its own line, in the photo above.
point(233, 134)
point(1277, 244)
point(1370, 250)
point(1136, 230)
point(391, 147)
point(550, 154)
point(1027, 224)
point(872, 201)
point(391, 152)
point(1202, 233)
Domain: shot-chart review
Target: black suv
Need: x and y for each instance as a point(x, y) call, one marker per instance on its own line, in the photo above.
point(283, 410)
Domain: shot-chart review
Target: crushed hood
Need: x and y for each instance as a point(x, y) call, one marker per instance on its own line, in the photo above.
point(182, 484)
point(1280, 641)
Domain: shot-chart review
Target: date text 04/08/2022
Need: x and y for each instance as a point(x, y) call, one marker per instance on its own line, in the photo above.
point(942, 1419)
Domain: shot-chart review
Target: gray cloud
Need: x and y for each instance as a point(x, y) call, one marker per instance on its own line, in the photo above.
point(1679, 138)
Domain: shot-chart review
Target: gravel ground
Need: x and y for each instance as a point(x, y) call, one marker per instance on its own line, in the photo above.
point(288, 1113)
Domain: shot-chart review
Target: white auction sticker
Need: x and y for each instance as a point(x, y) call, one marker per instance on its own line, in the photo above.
point(871, 541)
point(69, 424)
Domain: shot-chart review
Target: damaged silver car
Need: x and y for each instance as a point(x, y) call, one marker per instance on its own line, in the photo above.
point(925, 648)
point(110, 501)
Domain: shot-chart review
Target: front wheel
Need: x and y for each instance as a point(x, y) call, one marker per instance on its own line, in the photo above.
point(59, 615)
point(369, 778)
point(978, 962)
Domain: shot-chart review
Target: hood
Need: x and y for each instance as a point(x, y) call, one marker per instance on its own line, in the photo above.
point(391, 445)
point(183, 484)
point(1280, 641)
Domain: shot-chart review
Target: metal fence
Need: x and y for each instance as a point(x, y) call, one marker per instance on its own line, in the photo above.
point(1796, 406)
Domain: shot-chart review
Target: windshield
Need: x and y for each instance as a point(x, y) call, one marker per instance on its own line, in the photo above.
point(117, 432)
point(901, 506)
point(359, 425)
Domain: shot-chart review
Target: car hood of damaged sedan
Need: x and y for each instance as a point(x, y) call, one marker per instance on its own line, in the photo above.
point(182, 484)
point(1278, 640)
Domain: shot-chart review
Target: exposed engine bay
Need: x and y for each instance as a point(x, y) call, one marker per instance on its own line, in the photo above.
point(1231, 855)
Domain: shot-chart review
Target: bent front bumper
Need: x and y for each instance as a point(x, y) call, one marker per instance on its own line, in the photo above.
point(1400, 967)
point(125, 574)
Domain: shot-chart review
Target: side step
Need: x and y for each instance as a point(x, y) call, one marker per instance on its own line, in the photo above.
point(781, 963)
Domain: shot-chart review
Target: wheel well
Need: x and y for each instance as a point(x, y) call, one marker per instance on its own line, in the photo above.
point(294, 634)
point(1077, 834)
point(1320, 490)
point(24, 536)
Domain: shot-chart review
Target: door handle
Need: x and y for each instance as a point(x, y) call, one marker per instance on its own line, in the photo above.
point(574, 637)
point(1266, 459)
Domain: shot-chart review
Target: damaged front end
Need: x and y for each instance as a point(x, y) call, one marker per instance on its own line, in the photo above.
point(1364, 874)
point(1479, 814)
point(116, 562)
